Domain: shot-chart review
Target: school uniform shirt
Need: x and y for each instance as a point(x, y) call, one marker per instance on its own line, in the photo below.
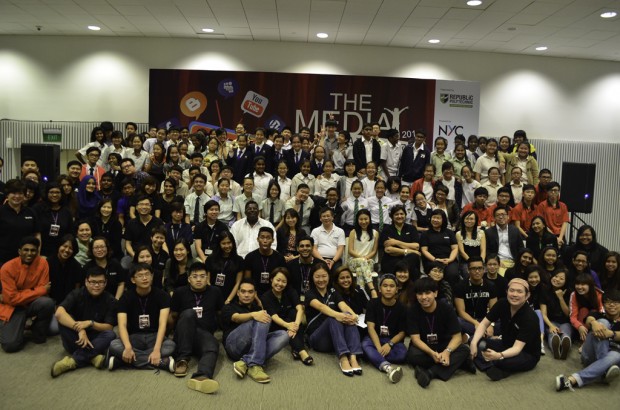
point(369, 187)
point(278, 209)
point(226, 208)
point(299, 179)
point(373, 206)
point(261, 182)
point(190, 204)
point(388, 321)
point(81, 305)
point(102, 161)
point(522, 326)
point(436, 328)
point(205, 304)
point(115, 274)
point(305, 218)
point(391, 154)
point(239, 204)
point(468, 192)
point(261, 266)
point(313, 316)
point(143, 311)
point(322, 184)
point(475, 297)
point(482, 166)
point(285, 307)
point(105, 153)
point(555, 216)
point(223, 272)
point(285, 188)
point(348, 208)
point(140, 160)
point(231, 309)
point(15, 226)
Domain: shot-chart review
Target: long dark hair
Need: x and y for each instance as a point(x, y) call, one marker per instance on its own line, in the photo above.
point(358, 228)
point(285, 228)
point(174, 264)
point(590, 299)
point(336, 285)
point(316, 267)
point(580, 231)
point(612, 281)
point(217, 257)
point(474, 232)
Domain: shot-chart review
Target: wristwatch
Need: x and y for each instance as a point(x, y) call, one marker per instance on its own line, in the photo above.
point(391, 343)
point(449, 350)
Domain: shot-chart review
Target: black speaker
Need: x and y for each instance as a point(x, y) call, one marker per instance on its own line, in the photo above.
point(578, 186)
point(47, 157)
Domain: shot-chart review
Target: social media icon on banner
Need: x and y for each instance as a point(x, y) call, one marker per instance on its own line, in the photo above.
point(172, 122)
point(228, 87)
point(275, 122)
point(254, 104)
point(193, 104)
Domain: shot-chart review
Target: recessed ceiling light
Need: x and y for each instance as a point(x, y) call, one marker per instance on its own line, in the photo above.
point(474, 3)
point(541, 48)
point(434, 41)
point(322, 35)
point(609, 14)
point(208, 30)
point(94, 28)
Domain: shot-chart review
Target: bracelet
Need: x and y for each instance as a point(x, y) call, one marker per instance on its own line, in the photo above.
point(501, 356)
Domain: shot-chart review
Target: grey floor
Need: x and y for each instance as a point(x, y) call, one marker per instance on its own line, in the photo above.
point(25, 383)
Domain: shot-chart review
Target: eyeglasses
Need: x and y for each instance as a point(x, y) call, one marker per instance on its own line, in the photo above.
point(612, 302)
point(143, 275)
point(476, 268)
point(96, 282)
point(99, 247)
point(195, 277)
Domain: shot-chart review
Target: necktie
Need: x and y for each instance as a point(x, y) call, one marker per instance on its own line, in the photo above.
point(257, 149)
point(271, 212)
point(239, 154)
point(355, 209)
point(197, 211)
point(92, 170)
point(297, 158)
point(380, 216)
point(301, 212)
point(320, 166)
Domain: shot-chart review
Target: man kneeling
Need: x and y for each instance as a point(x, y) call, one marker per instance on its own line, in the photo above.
point(87, 317)
point(435, 348)
point(246, 334)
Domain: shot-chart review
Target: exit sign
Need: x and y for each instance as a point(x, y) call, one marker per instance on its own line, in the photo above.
point(52, 135)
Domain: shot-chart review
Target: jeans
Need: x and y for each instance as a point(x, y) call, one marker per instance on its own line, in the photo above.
point(417, 357)
point(12, 335)
point(252, 343)
point(566, 330)
point(142, 344)
point(519, 363)
point(100, 341)
point(597, 356)
point(396, 355)
point(332, 335)
point(192, 339)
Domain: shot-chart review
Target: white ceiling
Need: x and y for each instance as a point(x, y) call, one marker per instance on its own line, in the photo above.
point(569, 28)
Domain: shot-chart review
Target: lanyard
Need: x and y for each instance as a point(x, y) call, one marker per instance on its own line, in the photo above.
point(265, 263)
point(225, 266)
point(198, 299)
point(431, 325)
point(387, 316)
point(305, 272)
point(55, 217)
point(143, 306)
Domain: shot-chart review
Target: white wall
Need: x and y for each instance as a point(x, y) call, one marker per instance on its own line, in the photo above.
point(92, 79)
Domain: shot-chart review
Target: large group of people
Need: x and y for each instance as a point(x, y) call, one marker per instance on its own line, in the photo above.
point(314, 242)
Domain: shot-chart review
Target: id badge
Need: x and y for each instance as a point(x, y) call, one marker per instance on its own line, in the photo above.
point(198, 310)
point(432, 339)
point(306, 285)
point(219, 279)
point(144, 321)
point(302, 298)
point(54, 230)
point(384, 331)
point(208, 252)
point(264, 277)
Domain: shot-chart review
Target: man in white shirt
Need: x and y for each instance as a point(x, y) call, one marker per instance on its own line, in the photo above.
point(195, 202)
point(303, 204)
point(329, 240)
point(391, 153)
point(245, 230)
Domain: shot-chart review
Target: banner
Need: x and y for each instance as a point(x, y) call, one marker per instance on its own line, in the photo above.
point(457, 109)
point(214, 99)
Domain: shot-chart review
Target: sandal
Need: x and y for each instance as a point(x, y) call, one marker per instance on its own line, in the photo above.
point(308, 361)
point(295, 355)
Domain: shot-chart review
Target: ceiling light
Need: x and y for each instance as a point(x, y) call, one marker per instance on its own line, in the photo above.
point(94, 28)
point(541, 48)
point(609, 14)
point(322, 35)
point(474, 3)
point(208, 30)
point(434, 41)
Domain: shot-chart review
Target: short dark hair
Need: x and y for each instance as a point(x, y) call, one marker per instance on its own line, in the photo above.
point(140, 267)
point(195, 267)
point(425, 284)
point(301, 238)
point(265, 229)
point(30, 240)
point(95, 271)
point(474, 259)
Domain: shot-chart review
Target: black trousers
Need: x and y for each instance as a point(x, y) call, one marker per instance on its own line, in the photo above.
point(519, 363)
point(191, 339)
point(417, 357)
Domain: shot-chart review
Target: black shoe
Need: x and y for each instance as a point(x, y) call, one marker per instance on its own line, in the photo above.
point(496, 374)
point(469, 366)
point(423, 376)
point(563, 383)
point(348, 373)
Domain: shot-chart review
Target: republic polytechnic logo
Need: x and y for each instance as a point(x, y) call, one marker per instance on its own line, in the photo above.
point(444, 98)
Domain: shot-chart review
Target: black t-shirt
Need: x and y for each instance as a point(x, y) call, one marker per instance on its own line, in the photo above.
point(82, 306)
point(439, 243)
point(285, 307)
point(112, 231)
point(159, 264)
point(500, 285)
point(50, 237)
point(260, 266)
point(231, 309)
point(522, 326)
point(210, 300)
point(64, 277)
point(209, 236)
point(535, 296)
point(408, 234)
point(114, 272)
point(140, 234)
point(435, 329)
point(143, 311)
point(313, 316)
point(223, 272)
point(357, 300)
point(393, 317)
point(15, 227)
point(554, 310)
point(299, 275)
point(476, 297)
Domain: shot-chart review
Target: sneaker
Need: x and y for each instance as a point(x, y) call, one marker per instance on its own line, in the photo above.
point(612, 373)
point(542, 348)
point(166, 364)
point(257, 374)
point(203, 384)
point(98, 361)
point(240, 368)
point(395, 374)
point(563, 383)
point(555, 346)
point(64, 365)
point(422, 376)
point(565, 347)
point(180, 370)
point(114, 363)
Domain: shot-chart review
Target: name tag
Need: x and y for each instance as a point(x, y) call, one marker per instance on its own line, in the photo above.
point(144, 321)
point(384, 331)
point(219, 279)
point(198, 310)
point(264, 277)
point(432, 339)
